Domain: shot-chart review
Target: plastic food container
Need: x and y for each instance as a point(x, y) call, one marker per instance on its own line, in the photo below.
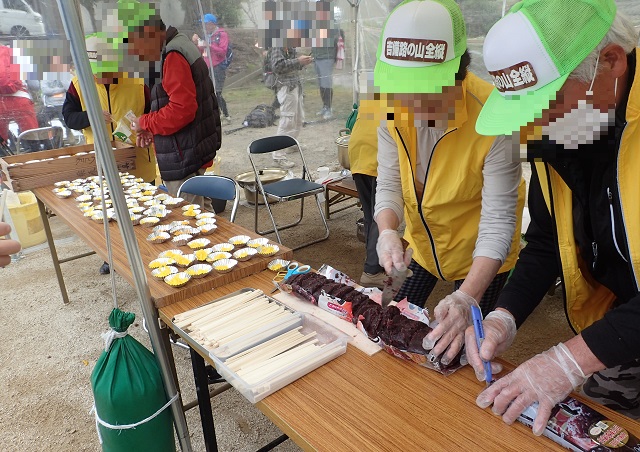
point(333, 340)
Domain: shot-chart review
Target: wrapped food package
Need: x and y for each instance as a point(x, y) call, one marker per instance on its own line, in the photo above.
point(580, 428)
point(399, 329)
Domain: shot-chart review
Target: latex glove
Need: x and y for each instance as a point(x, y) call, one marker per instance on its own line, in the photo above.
point(499, 332)
point(7, 246)
point(391, 253)
point(547, 378)
point(453, 315)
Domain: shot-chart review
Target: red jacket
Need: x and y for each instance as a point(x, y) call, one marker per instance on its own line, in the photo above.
point(181, 111)
point(9, 73)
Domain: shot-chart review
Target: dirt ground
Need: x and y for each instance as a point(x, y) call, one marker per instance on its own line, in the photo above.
point(49, 349)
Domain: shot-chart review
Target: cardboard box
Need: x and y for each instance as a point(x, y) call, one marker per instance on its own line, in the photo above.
point(20, 172)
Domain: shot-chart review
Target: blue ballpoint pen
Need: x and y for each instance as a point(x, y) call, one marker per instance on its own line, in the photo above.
point(476, 316)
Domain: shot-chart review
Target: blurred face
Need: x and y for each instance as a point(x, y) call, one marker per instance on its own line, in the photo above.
point(573, 96)
point(146, 43)
point(108, 78)
point(432, 110)
point(210, 27)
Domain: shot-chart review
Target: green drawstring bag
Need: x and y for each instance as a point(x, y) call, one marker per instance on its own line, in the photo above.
point(351, 120)
point(130, 404)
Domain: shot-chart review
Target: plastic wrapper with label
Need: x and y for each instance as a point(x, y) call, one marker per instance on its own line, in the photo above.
point(580, 428)
point(399, 329)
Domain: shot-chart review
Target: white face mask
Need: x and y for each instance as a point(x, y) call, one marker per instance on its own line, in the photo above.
point(582, 125)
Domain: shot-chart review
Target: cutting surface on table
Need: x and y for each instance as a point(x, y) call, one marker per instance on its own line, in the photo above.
point(93, 234)
point(359, 402)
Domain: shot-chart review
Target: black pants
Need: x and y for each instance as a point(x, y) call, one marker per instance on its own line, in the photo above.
point(366, 186)
point(418, 288)
point(219, 76)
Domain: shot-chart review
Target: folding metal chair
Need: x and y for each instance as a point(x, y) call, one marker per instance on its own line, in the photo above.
point(285, 190)
point(44, 138)
point(216, 187)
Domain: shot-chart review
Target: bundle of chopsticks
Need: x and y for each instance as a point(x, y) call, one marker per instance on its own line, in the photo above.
point(259, 335)
point(234, 319)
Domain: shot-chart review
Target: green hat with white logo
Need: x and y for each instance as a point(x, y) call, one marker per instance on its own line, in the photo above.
point(531, 52)
point(103, 54)
point(420, 47)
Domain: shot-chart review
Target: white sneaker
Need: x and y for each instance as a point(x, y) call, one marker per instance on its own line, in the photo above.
point(285, 163)
point(322, 112)
point(227, 120)
point(328, 114)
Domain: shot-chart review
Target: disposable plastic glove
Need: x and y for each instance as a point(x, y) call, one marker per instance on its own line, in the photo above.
point(547, 378)
point(499, 332)
point(390, 251)
point(453, 315)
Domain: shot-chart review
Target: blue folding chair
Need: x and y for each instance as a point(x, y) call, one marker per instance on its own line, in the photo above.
point(285, 190)
point(215, 187)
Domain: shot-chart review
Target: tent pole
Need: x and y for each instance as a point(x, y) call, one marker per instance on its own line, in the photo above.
point(72, 26)
point(355, 8)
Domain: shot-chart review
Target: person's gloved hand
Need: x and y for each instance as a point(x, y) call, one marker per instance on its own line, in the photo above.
point(453, 315)
point(499, 332)
point(547, 378)
point(391, 253)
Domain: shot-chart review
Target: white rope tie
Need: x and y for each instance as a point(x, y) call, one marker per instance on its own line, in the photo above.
point(109, 337)
point(128, 426)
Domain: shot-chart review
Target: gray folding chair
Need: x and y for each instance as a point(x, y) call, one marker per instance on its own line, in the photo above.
point(216, 187)
point(42, 139)
point(285, 190)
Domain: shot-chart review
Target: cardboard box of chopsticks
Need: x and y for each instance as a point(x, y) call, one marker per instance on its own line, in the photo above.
point(39, 169)
point(257, 344)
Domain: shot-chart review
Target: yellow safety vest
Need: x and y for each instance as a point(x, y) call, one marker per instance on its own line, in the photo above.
point(444, 236)
point(363, 144)
point(587, 300)
point(127, 94)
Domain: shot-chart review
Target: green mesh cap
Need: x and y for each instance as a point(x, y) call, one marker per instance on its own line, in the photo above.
point(133, 14)
point(103, 53)
point(531, 52)
point(420, 47)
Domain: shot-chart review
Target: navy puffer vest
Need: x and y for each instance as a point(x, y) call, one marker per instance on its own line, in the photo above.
point(186, 151)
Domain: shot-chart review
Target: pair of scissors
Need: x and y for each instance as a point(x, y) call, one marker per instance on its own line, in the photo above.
point(293, 269)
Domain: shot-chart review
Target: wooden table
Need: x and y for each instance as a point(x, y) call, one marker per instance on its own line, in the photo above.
point(365, 403)
point(345, 191)
point(92, 233)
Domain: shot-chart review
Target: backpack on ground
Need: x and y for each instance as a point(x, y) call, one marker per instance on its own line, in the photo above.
point(261, 116)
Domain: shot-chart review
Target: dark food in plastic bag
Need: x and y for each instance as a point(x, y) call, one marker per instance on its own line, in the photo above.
point(400, 335)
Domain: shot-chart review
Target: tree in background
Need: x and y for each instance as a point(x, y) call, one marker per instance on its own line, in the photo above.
point(228, 11)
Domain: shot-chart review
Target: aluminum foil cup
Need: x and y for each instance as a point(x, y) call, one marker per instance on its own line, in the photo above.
point(161, 262)
point(257, 243)
point(224, 265)
point(199, 270)
point(217, 256)
point(239, 240)
point(163, 272)
point(198, 244)
point(177, 279)
point(244, 254)
point(277, 265)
